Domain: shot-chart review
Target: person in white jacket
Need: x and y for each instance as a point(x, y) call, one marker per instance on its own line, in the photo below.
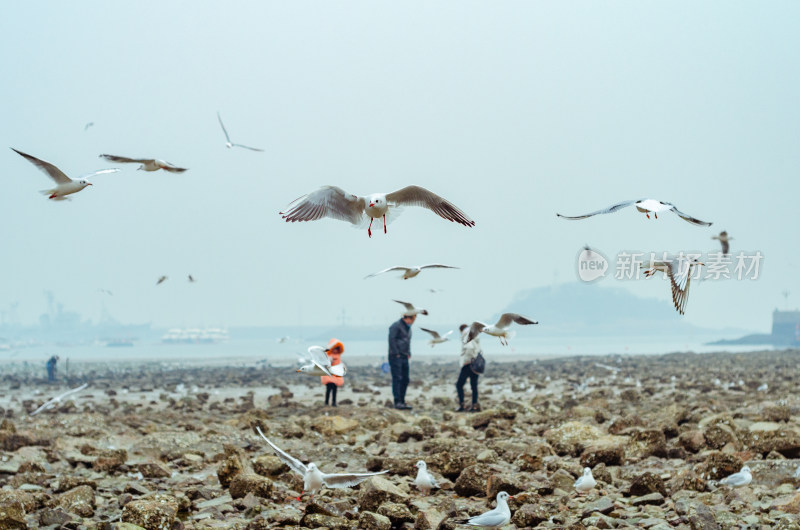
point(469, 350)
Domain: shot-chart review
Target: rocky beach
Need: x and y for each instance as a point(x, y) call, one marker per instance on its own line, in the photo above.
point(173, 446)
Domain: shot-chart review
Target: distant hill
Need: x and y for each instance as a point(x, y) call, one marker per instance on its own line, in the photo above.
point(586, 309)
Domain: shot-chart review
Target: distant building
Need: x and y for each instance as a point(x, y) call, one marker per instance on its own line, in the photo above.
point(786, 327)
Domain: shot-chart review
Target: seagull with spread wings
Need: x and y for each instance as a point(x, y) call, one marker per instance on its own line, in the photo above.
point(646, 206)
point(411, 272)
point(313, 478)
point(437, 339)
point(330, 201)
point(411, 310)
point(56, 400)
point(724, 239)
point(320, 364)
point(147, 164)
point(228, 142)
point(500, 329)
point(679, 271)
point(64, 185)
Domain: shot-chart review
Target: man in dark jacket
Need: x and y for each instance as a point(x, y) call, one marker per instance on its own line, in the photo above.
point(399, 353)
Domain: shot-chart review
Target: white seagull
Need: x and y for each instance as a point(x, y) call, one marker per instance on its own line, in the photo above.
point(585, 482)
point(228, 142)
point(424, 481)
point(411, 310)
point(797, 472)
point(500, 329)
point(437, 339)
point(723, 239)
point(147, 164)
point(411, 272)
point(679, 271)
point(330, 201)
point(645, 206)
point(52, 403)
point(64, 185)
point(313, 478)
point(320, 364)
point(496, 518)
point(742, 478)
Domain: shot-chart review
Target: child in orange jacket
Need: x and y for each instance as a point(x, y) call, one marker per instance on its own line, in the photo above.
point(334, 351)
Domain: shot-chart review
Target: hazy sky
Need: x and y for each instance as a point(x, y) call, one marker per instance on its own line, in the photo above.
point(512, 110)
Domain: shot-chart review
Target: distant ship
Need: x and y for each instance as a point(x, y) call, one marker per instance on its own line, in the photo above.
point(195, 336)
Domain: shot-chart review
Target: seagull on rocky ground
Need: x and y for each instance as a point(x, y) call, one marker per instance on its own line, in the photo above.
point(742, 478)
point(679, 271)
point(64, 185)
point(424, 481)
point(500, 329)
point(437, 339)
point(147, 164)
point(585, 482)
point(161, 279)
point(53, 402)
point(723, 239)
point(645, 206)
point(411, 272)
point(313, 478)
point(496, 518)
point(228, 142)
point(411, 310)
point(330, 201)
point(320, 364)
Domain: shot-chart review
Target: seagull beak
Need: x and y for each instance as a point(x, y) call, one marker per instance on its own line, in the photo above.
point(89, 184)
point(298, 370)
point(371, 204)
point(701, 263)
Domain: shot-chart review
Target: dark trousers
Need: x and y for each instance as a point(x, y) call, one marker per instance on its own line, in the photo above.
point(400, 379)
point(466, 372)
point(51, 372)
point(330, 392)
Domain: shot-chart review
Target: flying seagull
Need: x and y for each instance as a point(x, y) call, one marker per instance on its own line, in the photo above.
point(191, 279)
point(437, 339)
point(52, 403)
point(320, 364)
point(496, 518)
point(161, 279)
point(742, 478)
point(86, 127)
point(585, 482)
point(424, 481)
point(645, 206)
point(500, 329)
point(411, 310)
point(330, 201)
point(679, 272)
point(313, 478)
point(147, 164)
point(64, 185)
point(723, 239)
point(230, 144)
point(411, 272)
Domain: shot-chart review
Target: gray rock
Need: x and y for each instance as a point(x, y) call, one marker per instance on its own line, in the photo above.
point(245, 483)
point(79, 501)
point(153, 513)
point(373, 521)
point(651, 498)
point(377, 491)
point(602, 505)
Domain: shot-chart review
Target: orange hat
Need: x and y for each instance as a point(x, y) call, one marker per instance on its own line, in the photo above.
point(335, 342)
